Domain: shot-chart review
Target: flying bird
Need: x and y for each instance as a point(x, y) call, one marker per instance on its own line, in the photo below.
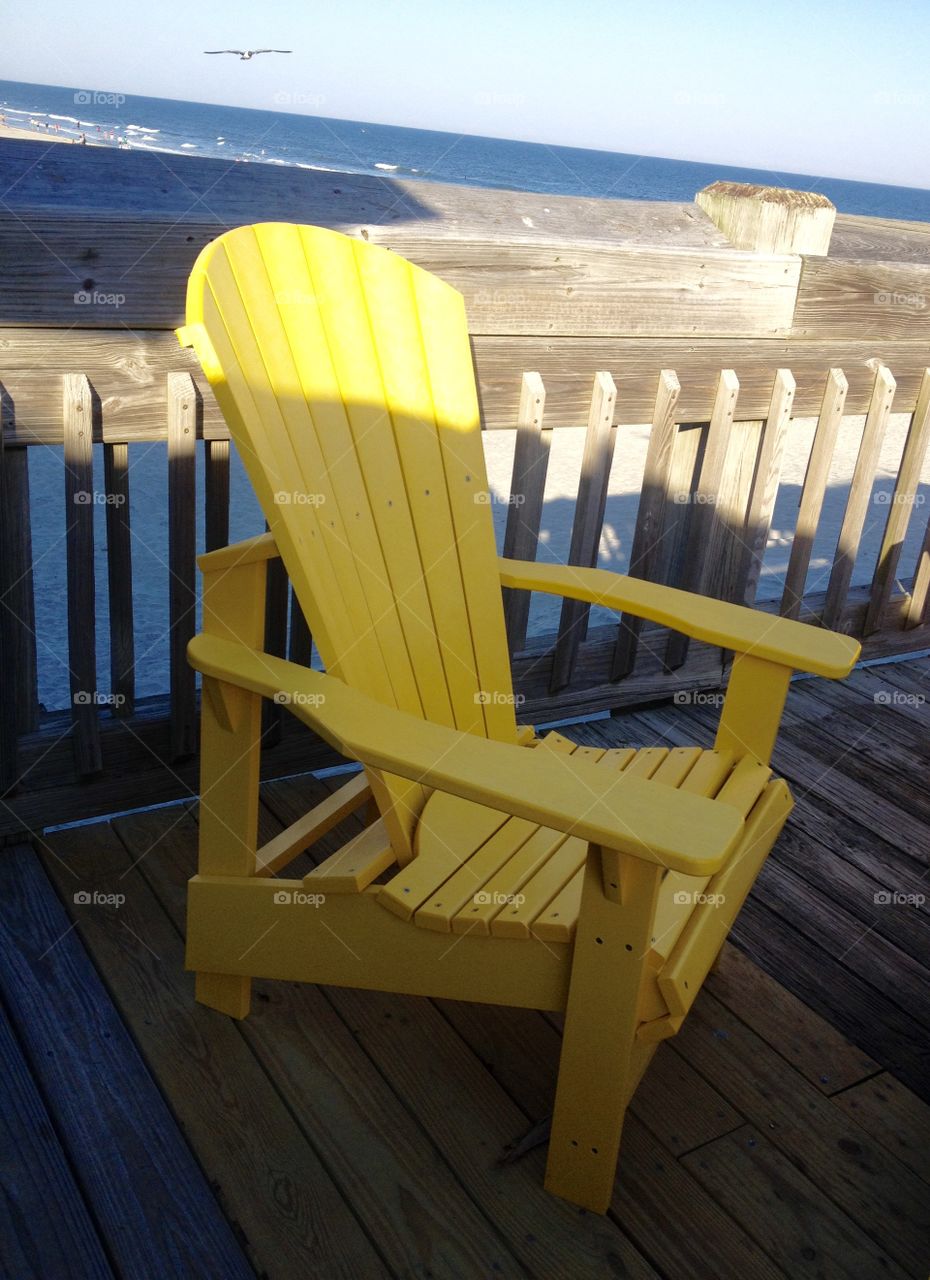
point(245, 54)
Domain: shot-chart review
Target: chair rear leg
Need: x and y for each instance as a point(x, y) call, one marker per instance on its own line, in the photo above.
point(600, 1063)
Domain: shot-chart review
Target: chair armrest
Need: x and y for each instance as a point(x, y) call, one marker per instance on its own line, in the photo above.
point(250, 550)
point(772, 639)
point(632, 815)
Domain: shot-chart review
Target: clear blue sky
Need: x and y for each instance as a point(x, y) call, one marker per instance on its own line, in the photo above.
point(809, 86)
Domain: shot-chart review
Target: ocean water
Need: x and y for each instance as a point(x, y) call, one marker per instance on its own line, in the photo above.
point(284, 138)
point(353, 146)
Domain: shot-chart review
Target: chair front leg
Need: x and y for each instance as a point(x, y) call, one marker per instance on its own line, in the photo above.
point(600, 1063)
point(230, 752)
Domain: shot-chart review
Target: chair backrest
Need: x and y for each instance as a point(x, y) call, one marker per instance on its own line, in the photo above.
point(346, 378)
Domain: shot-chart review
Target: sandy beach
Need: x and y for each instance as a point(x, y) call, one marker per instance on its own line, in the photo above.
point(47, 135)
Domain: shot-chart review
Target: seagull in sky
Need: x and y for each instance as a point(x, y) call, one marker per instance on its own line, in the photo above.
point(245, 54)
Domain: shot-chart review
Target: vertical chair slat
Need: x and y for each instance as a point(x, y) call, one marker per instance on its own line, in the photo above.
point(765, 487)
point(650, 516)
point(900, 508)
point(182, 533)
point(702, 529)
point(216, 493)
point(527, 491)
point(813, 490)
point(588, 522)
point(119, 577)
point(77, 430)
point(860, 492)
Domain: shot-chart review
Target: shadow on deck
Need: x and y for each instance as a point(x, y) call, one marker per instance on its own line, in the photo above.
point(784, 1132)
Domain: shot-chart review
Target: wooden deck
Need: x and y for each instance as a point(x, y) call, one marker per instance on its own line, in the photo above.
point(784, 1132)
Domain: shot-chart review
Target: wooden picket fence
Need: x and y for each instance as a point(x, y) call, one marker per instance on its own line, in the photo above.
point(586, 315)
point(703, 521)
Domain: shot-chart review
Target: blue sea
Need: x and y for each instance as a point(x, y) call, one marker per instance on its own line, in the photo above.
point(286, 137)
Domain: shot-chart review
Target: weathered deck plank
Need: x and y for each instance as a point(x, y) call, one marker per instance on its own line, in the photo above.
point(354, 1133)
point(116, 1127)
point(45, 1225)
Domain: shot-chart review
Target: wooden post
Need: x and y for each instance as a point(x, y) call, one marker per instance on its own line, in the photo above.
point(900, 508)
point(588, 522)
point(77, 426)
point(650, 516)
point(765, 487)
point(812, 492)
point(860, 493)
point(18, 696)
point(216, 493)
point(119, 578)
point(769, 219)
point(182, 438)
point(527, 490)
point(703, 526)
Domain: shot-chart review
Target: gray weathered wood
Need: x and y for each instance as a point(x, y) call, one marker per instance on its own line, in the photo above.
point(650, 515)
point(769, 219)
point(137, 185)
point(765, 486)
point(588, 521)
point(216, 493)
point(135, 273)
point(119, 578)
point(918, 606)
point(813, 490)
point(704, 519)
point(127, 370)
point(900, 507)
point(182, 534)
point(860, 494)
point(77, 422)
point(17, 602)
point(843, 298)
point(527, 491)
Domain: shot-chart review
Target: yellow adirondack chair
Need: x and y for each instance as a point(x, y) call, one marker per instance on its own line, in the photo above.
point(501, 868)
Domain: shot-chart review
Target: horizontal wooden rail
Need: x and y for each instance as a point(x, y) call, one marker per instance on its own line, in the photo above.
point(128, 372)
